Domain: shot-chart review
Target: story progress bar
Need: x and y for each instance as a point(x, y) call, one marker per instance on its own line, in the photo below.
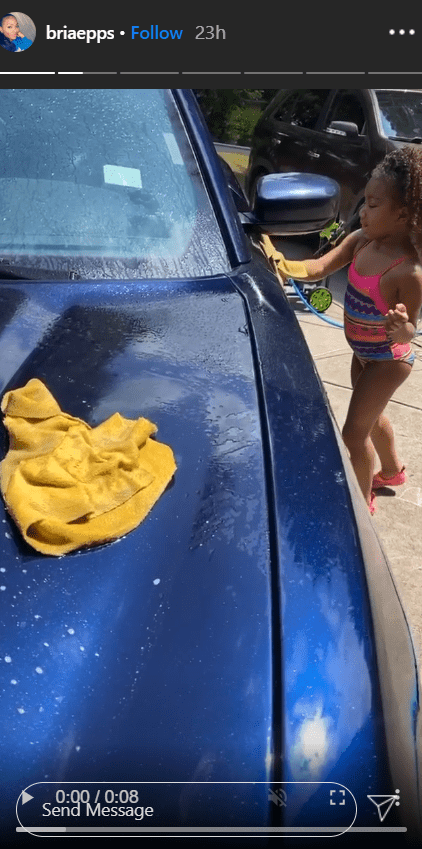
point(212, 829)
point(220, 73)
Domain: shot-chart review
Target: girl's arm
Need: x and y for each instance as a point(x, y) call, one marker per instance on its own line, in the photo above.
point(402, 321)
point(335, 259)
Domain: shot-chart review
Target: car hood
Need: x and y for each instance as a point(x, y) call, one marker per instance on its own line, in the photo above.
point(229, 636)
point(154, 651)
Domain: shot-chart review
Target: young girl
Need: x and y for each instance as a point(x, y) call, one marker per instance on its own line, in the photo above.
point(382, 304)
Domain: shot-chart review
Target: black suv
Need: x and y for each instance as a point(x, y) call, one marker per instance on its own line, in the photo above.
point(342, 133)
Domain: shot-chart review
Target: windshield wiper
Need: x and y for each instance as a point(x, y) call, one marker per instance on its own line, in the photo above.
point(9, 271)
point(414, 140)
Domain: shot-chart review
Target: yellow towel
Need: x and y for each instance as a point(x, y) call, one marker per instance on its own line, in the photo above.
point(283, 267)
point(68, 485)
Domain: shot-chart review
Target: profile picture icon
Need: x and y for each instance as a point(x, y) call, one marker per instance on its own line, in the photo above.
point(17, 32)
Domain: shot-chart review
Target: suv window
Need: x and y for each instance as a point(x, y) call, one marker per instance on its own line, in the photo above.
point(308, 107)
point(401, 113)
point(284, 109)
point(302, 107)
point(347, 107)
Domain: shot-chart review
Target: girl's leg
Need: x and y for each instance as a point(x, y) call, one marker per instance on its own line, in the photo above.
point(382, 436)
point(363, 455)
point(374, 385)
point(355, 370)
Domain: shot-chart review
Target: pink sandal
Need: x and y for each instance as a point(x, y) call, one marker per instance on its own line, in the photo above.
point(373, 504)
point(397, 480)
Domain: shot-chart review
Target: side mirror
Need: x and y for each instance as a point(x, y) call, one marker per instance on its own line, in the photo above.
point(295, 203)
point(343, 128)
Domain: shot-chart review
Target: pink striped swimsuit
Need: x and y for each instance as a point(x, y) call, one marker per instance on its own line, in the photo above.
point(364, 316)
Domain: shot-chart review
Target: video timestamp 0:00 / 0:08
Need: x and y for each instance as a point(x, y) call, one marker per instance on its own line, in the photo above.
point(111, 797)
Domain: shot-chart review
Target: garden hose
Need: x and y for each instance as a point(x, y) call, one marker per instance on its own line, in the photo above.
point(311, 308)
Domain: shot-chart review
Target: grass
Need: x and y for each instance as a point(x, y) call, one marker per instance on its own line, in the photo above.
point(238, 163)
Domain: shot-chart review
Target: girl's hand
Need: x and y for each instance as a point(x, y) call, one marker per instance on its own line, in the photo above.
point(395, 325)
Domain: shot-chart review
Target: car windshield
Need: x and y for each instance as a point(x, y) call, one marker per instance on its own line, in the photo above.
point(401, 113)
point(103, 183)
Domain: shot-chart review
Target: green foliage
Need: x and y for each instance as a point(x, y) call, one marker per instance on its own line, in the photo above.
point(241, 123)
point(231, 114)
point(327, 233)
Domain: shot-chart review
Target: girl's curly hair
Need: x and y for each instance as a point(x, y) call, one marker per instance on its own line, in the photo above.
point(404, 167)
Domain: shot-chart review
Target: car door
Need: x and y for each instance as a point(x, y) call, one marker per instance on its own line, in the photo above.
point(293, 130)
point(344, 156)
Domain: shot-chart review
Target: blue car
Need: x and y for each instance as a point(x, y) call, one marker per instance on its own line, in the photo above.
point(239, 665)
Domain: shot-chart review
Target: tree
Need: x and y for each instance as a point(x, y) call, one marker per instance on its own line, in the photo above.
point(231, 114)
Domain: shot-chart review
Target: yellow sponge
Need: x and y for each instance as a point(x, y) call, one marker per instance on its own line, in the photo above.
point(285, 268)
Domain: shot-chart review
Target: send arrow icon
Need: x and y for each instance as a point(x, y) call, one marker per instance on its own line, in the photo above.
point(26, 797)
point(385, 803)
